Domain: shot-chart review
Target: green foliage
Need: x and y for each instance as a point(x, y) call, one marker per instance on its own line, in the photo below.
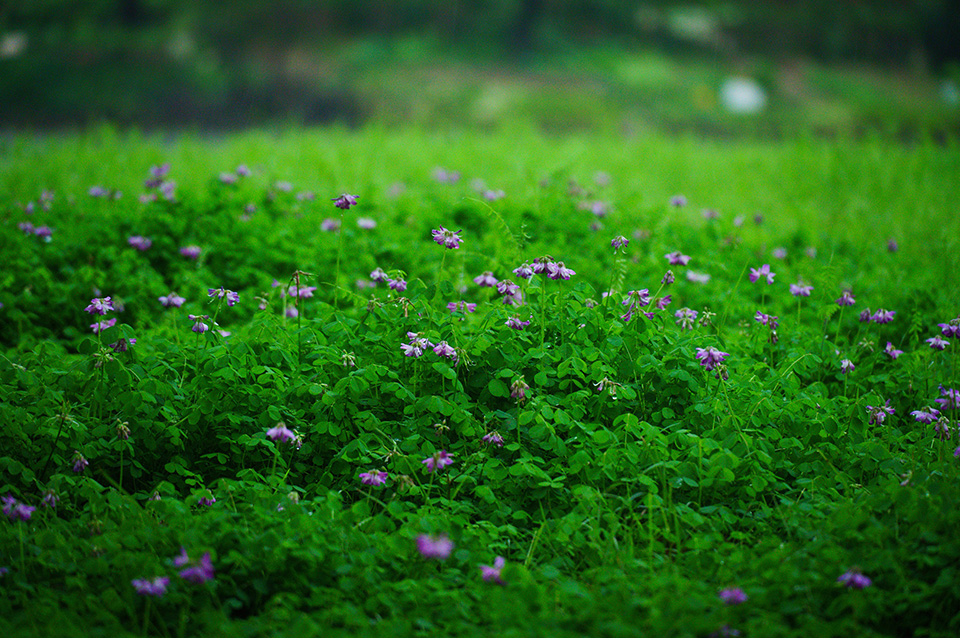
point(631, 485)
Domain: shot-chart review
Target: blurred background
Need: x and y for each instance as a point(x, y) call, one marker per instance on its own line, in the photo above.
point(711, 67)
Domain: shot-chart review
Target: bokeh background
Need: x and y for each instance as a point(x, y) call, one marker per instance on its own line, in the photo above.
point(713, 67)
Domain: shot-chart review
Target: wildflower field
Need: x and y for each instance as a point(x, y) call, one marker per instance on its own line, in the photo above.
point(405, 383)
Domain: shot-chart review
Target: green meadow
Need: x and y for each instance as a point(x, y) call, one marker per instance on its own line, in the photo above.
point(708, 387)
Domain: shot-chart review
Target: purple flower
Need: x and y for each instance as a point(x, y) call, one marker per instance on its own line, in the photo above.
point(97, 192)
point(956, 452)
point(466, 307)
point(50, 498)
point(556, 271)
point(26, 227)
point(398, 285)
point(139, 242)
point(438, 548)
point(373, 478)
point(733, 595)
point(228, 178)
point(677, 258)
point(938, 343)
point(663, 302)
point(893, 353)
point(16, 510)
point(507, 288)
point(779, 253)
point(941, 428)
point(330, 224)
point(764, 271)
point(853, 579)
point(100, 306)
point(846, 366)
point(172, 300)
point(280, 433)
point(685, 318)
point(710, 357)
point(678, 201)
point(493, 438)
point(437, 461)
point(668, 278)
point(345, 201)
point(699, 278)
point(156, 587)
point(951, 329)
point(882, 316)
point(191, 251)
point(418, 344)
point(447, 238)
point(516, 323)
point(79, 462)
point(800, 290)
point(206, 501)
point(232, 296)
point(619, 242)
point(102, 325)
point(446, 177)
point(892, 245)
point(493, 194)
point(878, 414)
point(710, 214)
point(379, 275)
point(199, 573)
point(486, 279)
point(123, 344)
point(846, 299)
point(444, 350)
point(926, 415)
point(243, 170)
point(198, 325)
point(492, 574)
point(518, 389)
point(950, 399)
point(524, 271)
point(302, 292)
point(181, 559)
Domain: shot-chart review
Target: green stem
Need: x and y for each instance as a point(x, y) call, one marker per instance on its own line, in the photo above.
point(336, 273)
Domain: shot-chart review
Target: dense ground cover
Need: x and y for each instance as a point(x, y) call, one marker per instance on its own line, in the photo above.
point(641, 461)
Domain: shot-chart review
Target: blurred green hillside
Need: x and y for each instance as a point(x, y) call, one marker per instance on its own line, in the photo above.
point(819, 66)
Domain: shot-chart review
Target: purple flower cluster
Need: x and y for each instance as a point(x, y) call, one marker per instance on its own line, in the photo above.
point(373, 478)
point(800, 290)
point(485, 279)
point(345, 201)
point(437, 461)
point(461, 306)
point(493, 438)
point(710, 357)
point(762, 272)
point(172, 300)
point(685, 318)
point(853, 579)
point(879, 414)
point(447, 238)
point(199, 326)
point(79, 462)
point(16, 510)
point(281, 433)
point(417, 345)
point(220, 293)
point(438, 548)
point(197, 573)
point(492, 573)
point(677, 258)
point(140, 243)
point(733, 595)
point(156, 587)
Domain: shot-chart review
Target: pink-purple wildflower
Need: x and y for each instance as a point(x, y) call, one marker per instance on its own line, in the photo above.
point(878, 414)
point(447, 238)
point(438, 548)
point(762, 272)
point(100, 306)
point(677, 258)
point(516, 323)
point(463, 307)
point(800, 290)
point(710, 357)
point(846, 366)
point(733, 595)
point(200, 572)
point(893, 353)
point(444, 350)
point(417, 345)
point(139, 243)
point(79, 462)
point(685, 318)
point(437, 461)
point(344, 201)
point(373, 478)
point(846, 299)
point(156, 587)
point(172, 300)
point(557, 271)
point(619, 242)
point(486, 279)
point(399, 285)
point(938, 343)
point(199, 326)
point(853, 579)
point(492, 573)
point(280, 433)
point(191, 251)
